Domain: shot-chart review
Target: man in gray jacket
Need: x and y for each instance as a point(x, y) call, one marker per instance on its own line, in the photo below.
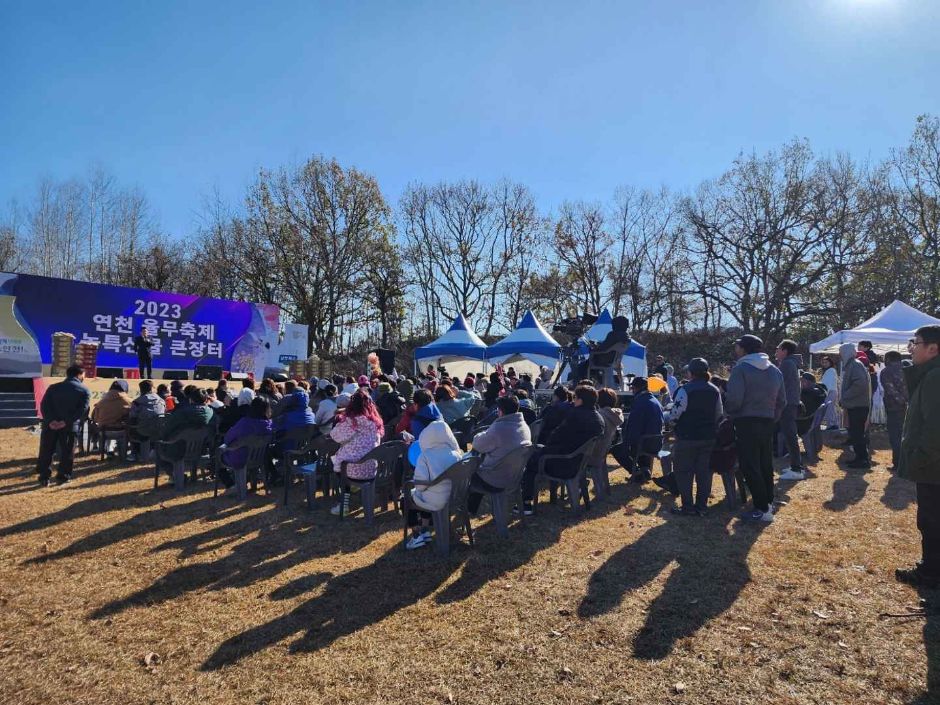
point(507, 433)
point(856, 400)
point(790, 362)
point(755, 399)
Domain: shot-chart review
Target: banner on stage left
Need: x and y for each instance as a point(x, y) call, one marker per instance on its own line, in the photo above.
point(187, 330)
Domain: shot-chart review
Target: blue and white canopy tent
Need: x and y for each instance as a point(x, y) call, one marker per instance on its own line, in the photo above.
point(459, 350)
point(526, 348)
point(634, 359)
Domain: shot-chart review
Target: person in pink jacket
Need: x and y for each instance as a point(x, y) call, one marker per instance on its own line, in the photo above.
point(358, 431)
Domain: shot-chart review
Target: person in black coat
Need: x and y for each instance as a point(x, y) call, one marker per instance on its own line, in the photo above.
point(580, 424)
point(63, 406)
point(553, 414)
point(142, 345)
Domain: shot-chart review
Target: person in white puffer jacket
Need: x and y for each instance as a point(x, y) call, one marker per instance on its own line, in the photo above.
point(439, 450)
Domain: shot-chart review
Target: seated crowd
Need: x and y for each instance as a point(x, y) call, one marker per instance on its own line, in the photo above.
point(716, 424)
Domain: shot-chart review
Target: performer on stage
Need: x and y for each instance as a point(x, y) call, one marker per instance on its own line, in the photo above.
point(142, 345)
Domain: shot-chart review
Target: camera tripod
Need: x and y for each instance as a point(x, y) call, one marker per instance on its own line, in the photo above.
point(570, 356)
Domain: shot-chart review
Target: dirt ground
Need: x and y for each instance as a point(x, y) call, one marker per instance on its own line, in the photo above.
point(112, 592)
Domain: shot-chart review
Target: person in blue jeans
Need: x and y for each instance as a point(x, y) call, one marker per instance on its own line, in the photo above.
point(695, 415)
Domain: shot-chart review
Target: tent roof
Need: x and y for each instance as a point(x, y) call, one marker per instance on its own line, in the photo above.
point(458, 341)
point(891, 327)
point(529, 340)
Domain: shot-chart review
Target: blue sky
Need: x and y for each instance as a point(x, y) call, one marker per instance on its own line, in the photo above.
point(571, 98)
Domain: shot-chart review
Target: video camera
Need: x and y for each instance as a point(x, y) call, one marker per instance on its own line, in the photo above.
point(576, 326)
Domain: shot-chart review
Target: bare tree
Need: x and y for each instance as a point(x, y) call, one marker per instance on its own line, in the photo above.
point(766, 227)
point(582, 245)
point(916, 201)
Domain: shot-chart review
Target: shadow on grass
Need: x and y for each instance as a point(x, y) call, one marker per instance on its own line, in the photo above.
point(706, 582)
point(368, 595)
point(848, 490)
point(899, 494)
point(85, 508)
point(283, 541)
point(931, 601)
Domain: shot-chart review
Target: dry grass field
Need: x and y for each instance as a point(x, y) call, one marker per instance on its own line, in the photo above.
point(111, 592)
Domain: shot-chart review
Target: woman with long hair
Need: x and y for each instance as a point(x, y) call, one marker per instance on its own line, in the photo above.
point(358, 431)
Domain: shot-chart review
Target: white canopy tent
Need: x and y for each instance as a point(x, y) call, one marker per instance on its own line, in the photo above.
point(459, 350)
point(634, 359)
point(526, 348)
point(890, 329)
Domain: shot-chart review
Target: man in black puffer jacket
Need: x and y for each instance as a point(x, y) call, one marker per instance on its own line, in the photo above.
point(581, 423)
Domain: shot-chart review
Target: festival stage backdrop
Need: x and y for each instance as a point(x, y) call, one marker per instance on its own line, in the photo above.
point(187, 330)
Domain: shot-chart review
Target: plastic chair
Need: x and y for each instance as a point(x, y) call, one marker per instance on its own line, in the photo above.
point(194, 440)
point(513, 463)
point(322, 448)
point(459, 475)
point(106, 434)
point(386, 457)
point(257, 447)
point(572, 484)
point(535, 428)
point(295, 447)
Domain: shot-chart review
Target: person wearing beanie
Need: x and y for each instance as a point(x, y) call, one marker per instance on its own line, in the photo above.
point(755, 399)
point(695, 416)
point(406, 389)
point(114, 407)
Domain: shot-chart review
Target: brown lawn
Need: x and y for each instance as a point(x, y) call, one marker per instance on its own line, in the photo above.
point(259, 604)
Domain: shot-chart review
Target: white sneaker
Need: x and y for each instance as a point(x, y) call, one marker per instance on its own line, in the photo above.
point(418, 541)
point(768, 517)
point(792, 475)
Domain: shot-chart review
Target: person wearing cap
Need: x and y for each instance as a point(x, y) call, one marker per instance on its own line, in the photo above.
point(642, 436)
point(789, 362)
point(695, 415)
point(855, 399)
point(755, 399)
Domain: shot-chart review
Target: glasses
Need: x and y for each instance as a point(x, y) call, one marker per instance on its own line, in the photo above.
point(913, 343)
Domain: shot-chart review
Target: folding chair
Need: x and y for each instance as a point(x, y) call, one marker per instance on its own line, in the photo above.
point(386, 457)
point(459, 475)
point(257, 447)
point(514, 464)
point(573, 484)
point(194, 439)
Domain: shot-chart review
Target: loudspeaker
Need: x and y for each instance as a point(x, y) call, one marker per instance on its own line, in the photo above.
point(208, 372)
point(110, 372)
point(175, 374)
point(386, 360)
